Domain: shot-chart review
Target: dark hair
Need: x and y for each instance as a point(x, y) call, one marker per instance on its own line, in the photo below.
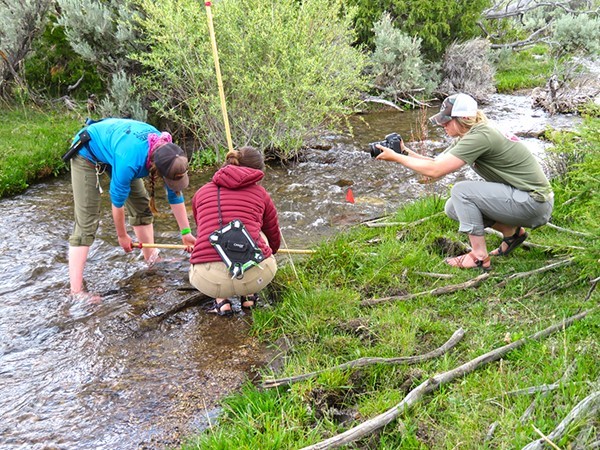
point(247, 157)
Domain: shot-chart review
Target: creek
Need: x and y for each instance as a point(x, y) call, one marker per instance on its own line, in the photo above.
point(75, 375)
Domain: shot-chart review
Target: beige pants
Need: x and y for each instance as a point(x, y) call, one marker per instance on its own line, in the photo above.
point(213, 279)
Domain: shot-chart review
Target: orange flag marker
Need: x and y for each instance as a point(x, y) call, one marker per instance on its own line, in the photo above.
point(349, 196)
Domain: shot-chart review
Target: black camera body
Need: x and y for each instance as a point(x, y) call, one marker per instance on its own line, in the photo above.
point(392, 141)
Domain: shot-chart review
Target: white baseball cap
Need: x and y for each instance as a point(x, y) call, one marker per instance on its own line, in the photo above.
point(457, 105)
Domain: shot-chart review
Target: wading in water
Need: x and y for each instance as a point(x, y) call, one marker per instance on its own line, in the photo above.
point(128, 151)
point(515, 192)
point(234, 193)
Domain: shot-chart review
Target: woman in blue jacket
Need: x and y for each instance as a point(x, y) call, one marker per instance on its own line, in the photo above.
point(127, 150)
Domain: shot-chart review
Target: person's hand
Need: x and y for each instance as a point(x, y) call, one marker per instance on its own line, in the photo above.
point(387, 154)
point(126, 243)
point(189, 240)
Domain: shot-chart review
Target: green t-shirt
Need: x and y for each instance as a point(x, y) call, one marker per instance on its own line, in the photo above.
point(502, 159)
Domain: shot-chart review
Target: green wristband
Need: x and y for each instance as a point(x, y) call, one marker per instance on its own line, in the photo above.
point(186, 231)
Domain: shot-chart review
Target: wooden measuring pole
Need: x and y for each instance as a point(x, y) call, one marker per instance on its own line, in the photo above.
point(213, 41)
point(183, 247)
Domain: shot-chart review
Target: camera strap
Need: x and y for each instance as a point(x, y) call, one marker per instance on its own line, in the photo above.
point(234, 245)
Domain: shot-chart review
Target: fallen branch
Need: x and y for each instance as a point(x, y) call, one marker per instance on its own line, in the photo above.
point(373, 224)
point(566, 230)
point(544, 393)
point(532, 245)
point(194, 300)
point(514, 276)
point(588, 407)
point(362, 362)
point(490, 433)
point(474, 282)
point(433, 383)
point(445, 276)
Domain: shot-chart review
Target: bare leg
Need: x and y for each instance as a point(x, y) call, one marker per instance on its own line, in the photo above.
point(77, 258)
point(507, 232)
point(145, 234)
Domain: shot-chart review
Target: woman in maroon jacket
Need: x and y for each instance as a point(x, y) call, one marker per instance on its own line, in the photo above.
point(240, 197)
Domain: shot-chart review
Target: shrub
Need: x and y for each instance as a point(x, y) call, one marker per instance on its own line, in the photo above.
point(576, 34)
point(467, 68)
point(121, 100)
point(288, 69)
point(20, 23)
point(53, 66)
point(102, 32)
point(397, 64)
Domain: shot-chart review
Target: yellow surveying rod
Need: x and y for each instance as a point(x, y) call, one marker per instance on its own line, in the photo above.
point(183, 247)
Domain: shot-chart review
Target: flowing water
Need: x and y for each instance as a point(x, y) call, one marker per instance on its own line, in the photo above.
point(75, 375)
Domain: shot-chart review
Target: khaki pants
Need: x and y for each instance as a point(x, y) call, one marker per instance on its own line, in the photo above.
point(213, 279)
point(86, 197)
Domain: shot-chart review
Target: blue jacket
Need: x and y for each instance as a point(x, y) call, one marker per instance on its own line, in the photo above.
point(123, 145)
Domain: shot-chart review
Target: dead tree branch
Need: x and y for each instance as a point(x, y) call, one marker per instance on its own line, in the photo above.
point(504, 9)
point(194, 300)
point(514, 276)
point(435, 382)
point(373, 224)
point(588, 407)
point(474, 282)
point(566, 230)
point(362, 362)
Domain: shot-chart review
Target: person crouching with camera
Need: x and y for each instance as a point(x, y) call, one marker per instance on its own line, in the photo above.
point(515, 192)
point(234, 195)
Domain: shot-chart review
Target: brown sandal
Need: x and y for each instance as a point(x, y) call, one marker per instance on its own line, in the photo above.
point(217, 308)
point(483, 264)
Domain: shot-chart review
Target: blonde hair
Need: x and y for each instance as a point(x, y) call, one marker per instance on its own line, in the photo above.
point(466, 123)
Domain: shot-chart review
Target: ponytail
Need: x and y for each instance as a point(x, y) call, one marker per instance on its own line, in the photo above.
point(151, 188)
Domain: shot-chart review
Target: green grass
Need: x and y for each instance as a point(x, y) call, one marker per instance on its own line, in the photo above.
point(316, 307)
point(33, 143)
point(525, 69)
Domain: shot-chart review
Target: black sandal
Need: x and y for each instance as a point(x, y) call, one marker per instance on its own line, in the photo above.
point(217, 308)
point(511, 242)
point(249, 300)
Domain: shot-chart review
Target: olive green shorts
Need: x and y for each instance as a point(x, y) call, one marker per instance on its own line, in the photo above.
point(87, 200)
point(213, 278)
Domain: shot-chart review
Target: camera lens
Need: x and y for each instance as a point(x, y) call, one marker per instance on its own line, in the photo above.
point(374, 150)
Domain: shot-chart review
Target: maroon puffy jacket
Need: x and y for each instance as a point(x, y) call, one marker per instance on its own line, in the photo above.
point(241, 198)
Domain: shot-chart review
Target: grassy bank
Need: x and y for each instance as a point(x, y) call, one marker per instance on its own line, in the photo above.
point(319, 320)
point(33, 142)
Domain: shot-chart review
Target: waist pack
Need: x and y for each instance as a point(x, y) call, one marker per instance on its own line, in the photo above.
point(235, 246)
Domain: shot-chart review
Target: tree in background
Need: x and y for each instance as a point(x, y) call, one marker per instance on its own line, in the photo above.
point(288, 69)
point(53, 69)
point(438, 23)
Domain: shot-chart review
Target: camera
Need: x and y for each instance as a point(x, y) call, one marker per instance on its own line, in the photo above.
point(392, 141)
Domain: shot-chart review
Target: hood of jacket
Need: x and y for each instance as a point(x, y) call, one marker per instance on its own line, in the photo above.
point(235, 177)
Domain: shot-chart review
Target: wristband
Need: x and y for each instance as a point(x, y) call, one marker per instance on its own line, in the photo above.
point(186, 231)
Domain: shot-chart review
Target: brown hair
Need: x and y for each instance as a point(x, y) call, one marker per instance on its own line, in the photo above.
point(151, 187)
point(247, 157)
point(466, 123)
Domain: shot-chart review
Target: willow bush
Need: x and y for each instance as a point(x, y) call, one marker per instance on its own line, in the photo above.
point(288, 69)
